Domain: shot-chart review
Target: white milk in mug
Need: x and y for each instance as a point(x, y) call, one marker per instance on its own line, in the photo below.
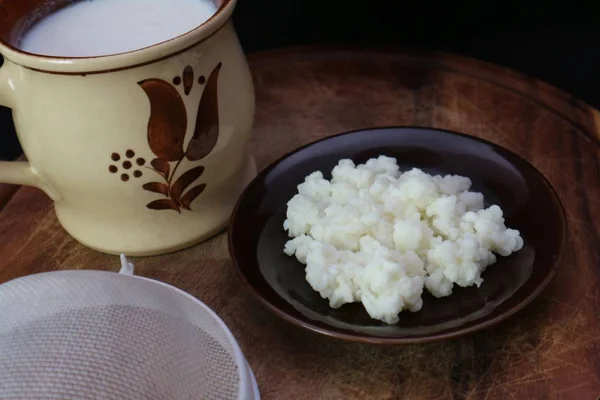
point(102, 27)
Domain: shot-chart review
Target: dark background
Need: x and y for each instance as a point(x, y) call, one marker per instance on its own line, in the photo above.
point(556, 41)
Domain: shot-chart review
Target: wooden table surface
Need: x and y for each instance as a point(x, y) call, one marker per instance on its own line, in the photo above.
point(550, 350)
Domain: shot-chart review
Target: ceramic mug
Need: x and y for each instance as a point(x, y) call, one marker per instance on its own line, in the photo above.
point(143, 152)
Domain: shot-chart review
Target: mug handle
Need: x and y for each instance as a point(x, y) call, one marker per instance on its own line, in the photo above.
point(18, 172)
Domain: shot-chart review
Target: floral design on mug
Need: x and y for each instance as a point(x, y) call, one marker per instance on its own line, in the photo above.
point(167, 129)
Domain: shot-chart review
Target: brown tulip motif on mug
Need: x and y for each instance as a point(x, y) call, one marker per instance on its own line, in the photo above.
point(167, 129)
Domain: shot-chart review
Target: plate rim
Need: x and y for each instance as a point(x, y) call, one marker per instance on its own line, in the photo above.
point(420, 339)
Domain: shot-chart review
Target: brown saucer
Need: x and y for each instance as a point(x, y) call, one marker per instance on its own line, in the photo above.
point(530, 204)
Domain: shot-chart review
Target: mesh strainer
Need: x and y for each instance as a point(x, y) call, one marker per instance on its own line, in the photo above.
point(102, 335)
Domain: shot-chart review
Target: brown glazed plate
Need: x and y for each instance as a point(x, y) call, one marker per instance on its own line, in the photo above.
point(257, 238)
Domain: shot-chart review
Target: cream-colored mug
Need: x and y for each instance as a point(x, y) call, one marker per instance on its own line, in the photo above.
point(144, 152)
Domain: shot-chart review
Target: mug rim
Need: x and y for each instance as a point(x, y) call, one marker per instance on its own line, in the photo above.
point(123, 60)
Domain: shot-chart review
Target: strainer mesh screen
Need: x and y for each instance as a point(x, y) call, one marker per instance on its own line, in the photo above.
point(100, 335)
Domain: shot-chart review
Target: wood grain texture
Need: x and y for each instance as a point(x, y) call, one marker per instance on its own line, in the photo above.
point(550, 350)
